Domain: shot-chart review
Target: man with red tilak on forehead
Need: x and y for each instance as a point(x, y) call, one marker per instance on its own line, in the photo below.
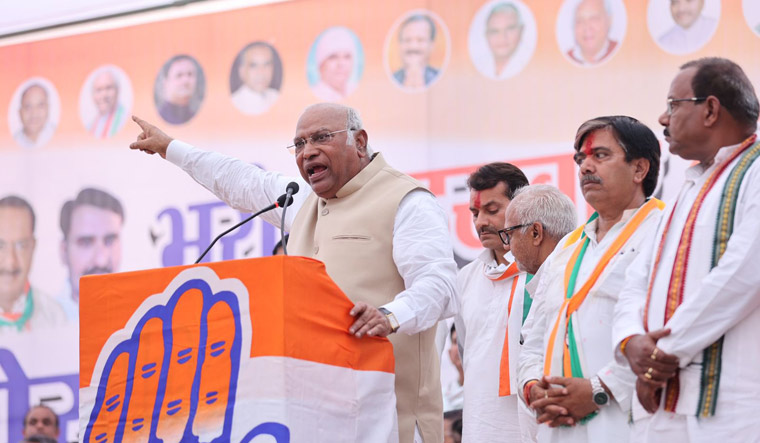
point(567, 369)
point(692, 300)
point(490, 300)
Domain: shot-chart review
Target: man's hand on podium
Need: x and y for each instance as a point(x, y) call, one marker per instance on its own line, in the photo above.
point(151, 140)
point(369, 321)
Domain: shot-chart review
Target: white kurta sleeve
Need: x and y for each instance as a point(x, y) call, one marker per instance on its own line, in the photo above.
point(424, 257)
point(241, 185)
point(628, 319)
point(531, 362)
point(730, 291)
point(620, 380)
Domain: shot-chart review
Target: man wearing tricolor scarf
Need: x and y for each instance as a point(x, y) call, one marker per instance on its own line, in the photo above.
point(688, 319)
point(22, 308)
point(490, 300)
point(567, 370)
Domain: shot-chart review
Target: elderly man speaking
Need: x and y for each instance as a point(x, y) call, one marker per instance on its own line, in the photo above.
point(382, 236)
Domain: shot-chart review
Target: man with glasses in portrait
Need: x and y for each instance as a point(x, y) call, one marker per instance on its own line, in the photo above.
point(567, 371)
point(23, 308)
point(687, 320)
point(382, 236)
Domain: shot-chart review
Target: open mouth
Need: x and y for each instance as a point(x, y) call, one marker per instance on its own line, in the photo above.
point(317, 171)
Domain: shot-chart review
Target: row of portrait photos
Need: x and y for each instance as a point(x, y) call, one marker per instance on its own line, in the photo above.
point(501, 42)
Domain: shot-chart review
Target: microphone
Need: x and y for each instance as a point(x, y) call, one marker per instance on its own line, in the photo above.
point(282, 202)
point(291, 189)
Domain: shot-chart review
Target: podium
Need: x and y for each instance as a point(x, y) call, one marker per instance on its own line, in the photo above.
point(228, 352)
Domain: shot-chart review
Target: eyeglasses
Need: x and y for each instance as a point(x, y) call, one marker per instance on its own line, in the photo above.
point(504, 233)
point(317, 139)
point(670, 102)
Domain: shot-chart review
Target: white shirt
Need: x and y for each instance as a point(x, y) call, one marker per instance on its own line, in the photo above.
point(251, 102)
point(482, 323)
point(576, 54)
point(422, 247)
point(721, 301)
point(45, 135)
point(680, 40)
point(46, 314)
point(592, 327)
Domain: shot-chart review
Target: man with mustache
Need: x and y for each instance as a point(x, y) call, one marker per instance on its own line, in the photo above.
point(567, 370)
point(490, 303)
point(23, 308)
point(91, 226)
point(382, 236)
point(687, 321)
point(416, 40)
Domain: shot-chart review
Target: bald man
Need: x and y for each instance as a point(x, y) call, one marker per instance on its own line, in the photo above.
point(34, 112)
point(382, 236)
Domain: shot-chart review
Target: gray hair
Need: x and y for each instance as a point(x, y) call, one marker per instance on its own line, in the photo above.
point(547, 205)
point(354, 123)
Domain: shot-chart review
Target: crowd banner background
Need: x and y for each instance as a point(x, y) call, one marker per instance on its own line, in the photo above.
point(469, 112)
point(228, 351)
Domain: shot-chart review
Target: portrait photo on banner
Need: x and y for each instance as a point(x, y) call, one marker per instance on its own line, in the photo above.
point(502, 38)
point(417, 50)
point(105, 101)
point(590, 32)
point(681, 27)
point(335, 64)
point(751, 9)
point(256, 78)
point(34, 112)
point(179, 89)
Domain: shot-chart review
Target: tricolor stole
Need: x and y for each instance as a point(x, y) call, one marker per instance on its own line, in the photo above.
point(568, 351)
point(504, 385)
point(711, 357)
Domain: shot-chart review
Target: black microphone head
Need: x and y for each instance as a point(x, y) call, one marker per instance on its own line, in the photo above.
point(292, 187)
point(281, 200)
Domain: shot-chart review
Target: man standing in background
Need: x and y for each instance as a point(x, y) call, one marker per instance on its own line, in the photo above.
point(490, 301)
point(568, 372)
point(687, 321)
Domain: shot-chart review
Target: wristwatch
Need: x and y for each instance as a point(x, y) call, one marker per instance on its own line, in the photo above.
point(391, 318)
point(598, 393)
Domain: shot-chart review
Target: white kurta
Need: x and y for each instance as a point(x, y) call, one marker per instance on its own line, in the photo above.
point(594, 327)
point(421, 244)
point(481, 326)
point(717, 302)
point(680, 40)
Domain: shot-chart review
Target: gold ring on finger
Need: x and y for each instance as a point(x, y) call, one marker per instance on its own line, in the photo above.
point(654, 354)
point(546, 394)
point(648, 375)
